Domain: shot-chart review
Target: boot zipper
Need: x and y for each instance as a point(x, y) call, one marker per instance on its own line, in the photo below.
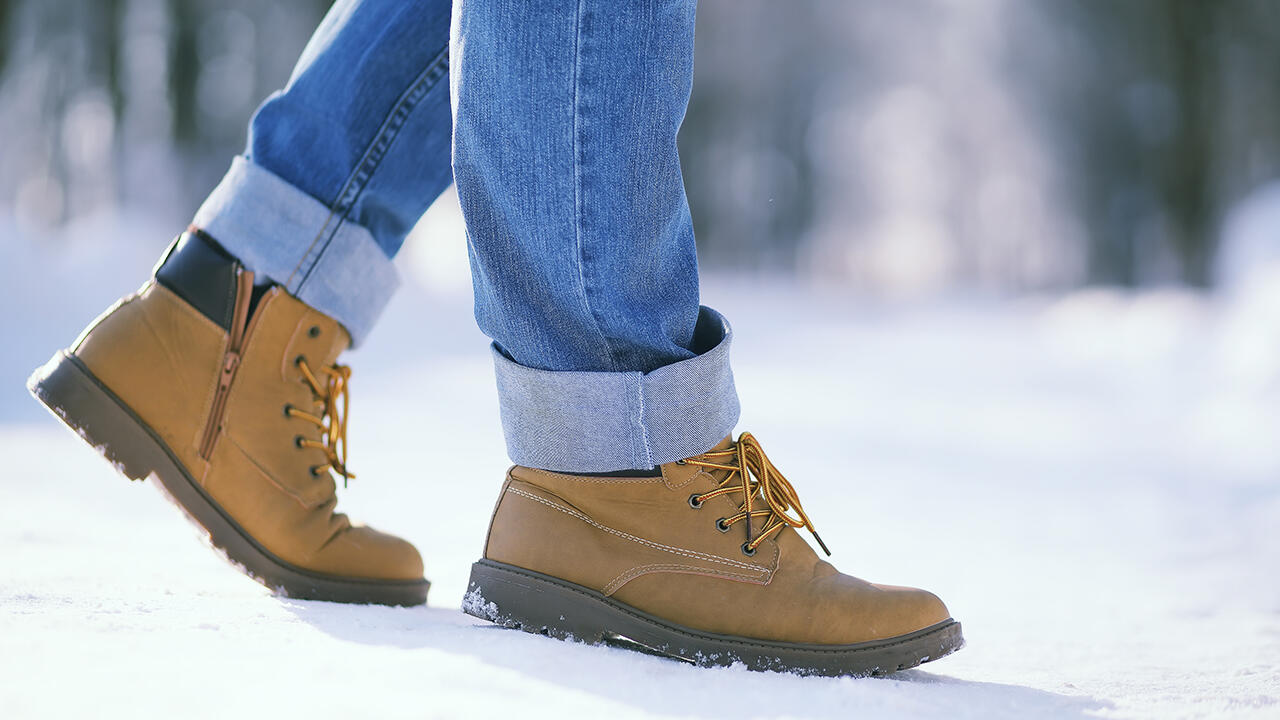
point(230, 361)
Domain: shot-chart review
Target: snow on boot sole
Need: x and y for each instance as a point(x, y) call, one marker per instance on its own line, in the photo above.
point(77, 398)
point(522, 599)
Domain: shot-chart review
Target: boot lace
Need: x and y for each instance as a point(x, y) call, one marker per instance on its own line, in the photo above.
point(329, 391)
point(766, 493)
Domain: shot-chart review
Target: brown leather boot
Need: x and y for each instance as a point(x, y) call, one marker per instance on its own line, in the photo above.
point(231, 398)
point(702, 563)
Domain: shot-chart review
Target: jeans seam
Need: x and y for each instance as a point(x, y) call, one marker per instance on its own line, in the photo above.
point(369, 162)
point(577, 187)
point(644, 431)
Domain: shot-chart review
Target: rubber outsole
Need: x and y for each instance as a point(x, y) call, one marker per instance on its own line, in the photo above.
point(77, 398)
point(522, 599)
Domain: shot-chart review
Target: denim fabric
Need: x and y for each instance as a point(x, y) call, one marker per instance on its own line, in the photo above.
point(604, 421)
point(363, 124)
point(272, 226)
point(563, 127)
point(361, 133)
point(568, 170)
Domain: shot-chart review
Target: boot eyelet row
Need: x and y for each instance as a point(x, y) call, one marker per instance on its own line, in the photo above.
point(748, 550)
point(694, 501)
point(722, 526)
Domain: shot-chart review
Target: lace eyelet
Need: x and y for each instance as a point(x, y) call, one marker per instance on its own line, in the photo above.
point(298, 440)
point(300, 360)
point(748, 550)
point(695, 501)
point(313, 470)
point(681, 462)
point(314, 331)
point(722, 526)
point(288, 410)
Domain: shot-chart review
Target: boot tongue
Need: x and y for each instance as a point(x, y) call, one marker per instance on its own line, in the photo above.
point(679, 473)
point(339, 343)
point(724, 444)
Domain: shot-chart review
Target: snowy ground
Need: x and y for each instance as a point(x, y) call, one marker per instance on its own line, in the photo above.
point(1092, 483)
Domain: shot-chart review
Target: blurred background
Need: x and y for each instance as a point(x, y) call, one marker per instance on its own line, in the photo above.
point(910, 146)
point(902, 151)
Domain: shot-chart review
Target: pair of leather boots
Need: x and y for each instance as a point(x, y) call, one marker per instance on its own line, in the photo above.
point(229, 394)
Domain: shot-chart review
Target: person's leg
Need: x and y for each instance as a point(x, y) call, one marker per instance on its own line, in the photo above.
point(344, 160)
point(582, 248)
point(219, 377)
point(565, 122)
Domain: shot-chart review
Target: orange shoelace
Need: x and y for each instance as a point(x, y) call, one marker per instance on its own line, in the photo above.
point(756, 478)
point(332, 423)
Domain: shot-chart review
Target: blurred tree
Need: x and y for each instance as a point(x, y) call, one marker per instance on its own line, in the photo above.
point(748, 175)
point(184, 70)
point(6, 10)
point(1140, 99)
point(1139, 124)
point(1185, 179)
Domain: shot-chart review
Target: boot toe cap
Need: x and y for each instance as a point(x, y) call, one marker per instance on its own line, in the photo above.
point(860, 612)
point(363, 552)
point(907, 609)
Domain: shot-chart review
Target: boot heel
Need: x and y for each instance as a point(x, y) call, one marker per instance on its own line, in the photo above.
point(67, 388)
point(521, 600)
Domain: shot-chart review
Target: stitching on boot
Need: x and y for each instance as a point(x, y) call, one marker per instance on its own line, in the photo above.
point(286, 357)
point(648, 543)
point(497, 505)
point(639, 570)
point(294, 494)
point(673, 486)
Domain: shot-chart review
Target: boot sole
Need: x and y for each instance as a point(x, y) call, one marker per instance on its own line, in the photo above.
point(522, 599)
point(70, 391)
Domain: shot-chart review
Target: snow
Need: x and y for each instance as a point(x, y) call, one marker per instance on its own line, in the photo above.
point(1091, 482)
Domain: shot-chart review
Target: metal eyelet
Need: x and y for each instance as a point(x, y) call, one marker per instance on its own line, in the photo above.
point(313, 470)
point(748, 550)
point(297, 442)
point(722, 526)
point(695, 502)
point(681, 462)
point(314, 331)
point(288, 410)
point(299, 360)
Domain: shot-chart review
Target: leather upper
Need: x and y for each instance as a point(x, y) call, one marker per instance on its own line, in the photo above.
point(163, 357)
point(640, 541)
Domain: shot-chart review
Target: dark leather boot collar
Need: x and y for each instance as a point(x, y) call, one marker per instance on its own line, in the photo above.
point(200, 272)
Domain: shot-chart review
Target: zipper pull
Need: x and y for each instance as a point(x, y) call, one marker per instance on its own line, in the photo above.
point(229, 365)
point(240, 311)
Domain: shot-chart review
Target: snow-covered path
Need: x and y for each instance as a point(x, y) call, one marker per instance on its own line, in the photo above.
point(1093, 486)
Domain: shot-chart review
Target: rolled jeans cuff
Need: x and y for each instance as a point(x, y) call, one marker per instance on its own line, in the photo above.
point(605, 421)
point(281, 232)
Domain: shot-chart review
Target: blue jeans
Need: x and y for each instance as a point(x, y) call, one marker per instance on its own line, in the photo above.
point(562, 144)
